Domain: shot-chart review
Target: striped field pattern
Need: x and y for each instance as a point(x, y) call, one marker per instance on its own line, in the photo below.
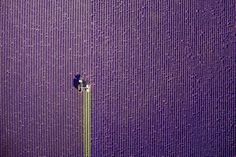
point(162, 74)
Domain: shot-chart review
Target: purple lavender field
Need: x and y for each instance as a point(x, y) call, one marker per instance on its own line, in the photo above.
point(163, 76)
